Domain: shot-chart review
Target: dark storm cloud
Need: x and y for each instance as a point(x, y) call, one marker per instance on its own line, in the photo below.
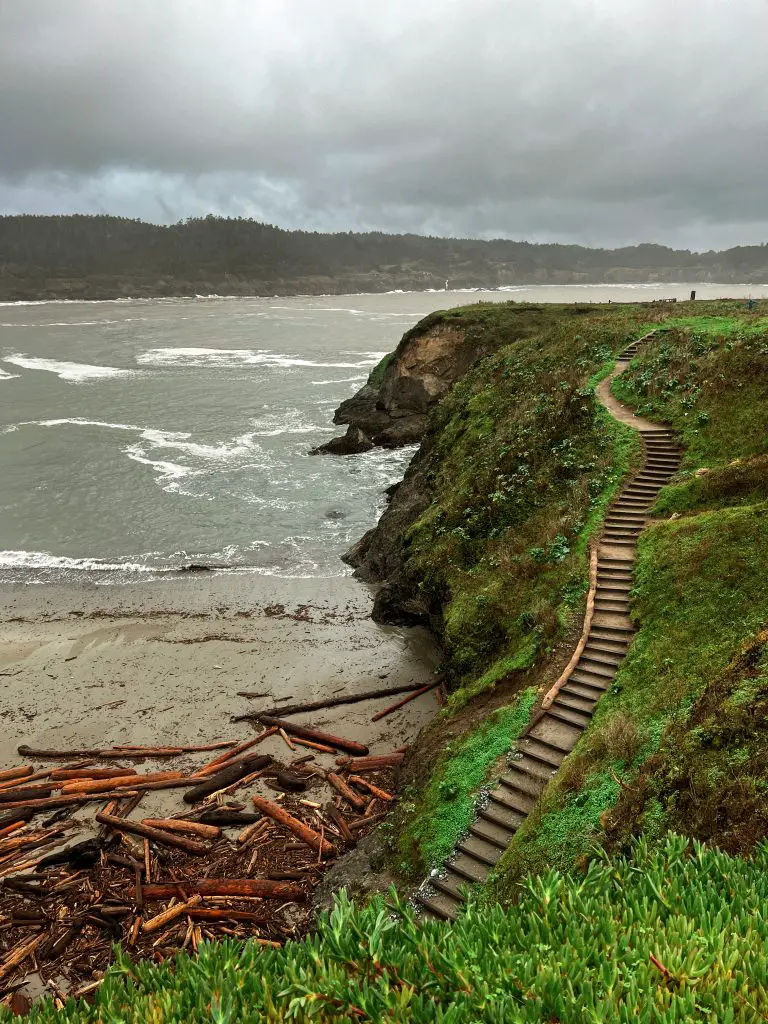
point(602, 121)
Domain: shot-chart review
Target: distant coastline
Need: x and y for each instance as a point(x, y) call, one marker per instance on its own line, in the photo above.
point(100, 258)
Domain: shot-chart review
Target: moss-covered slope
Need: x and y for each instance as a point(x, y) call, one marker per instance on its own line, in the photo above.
point(669, 746)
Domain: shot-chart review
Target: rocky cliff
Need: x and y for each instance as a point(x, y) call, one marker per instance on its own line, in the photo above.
point(408, 398)
point(392, 408)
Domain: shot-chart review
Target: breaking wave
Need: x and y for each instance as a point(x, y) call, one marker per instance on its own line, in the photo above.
point(202, 358)
point(73, 373)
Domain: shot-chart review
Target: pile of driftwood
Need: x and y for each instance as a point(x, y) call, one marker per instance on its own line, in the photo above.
point(232, 863)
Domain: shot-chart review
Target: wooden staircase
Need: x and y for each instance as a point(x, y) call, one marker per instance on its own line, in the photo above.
point(555, 733)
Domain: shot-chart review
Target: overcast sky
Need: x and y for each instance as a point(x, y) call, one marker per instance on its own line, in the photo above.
point(597, 121)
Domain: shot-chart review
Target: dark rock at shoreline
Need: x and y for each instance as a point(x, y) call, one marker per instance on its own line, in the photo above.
point(354, 442)
point(362, 410)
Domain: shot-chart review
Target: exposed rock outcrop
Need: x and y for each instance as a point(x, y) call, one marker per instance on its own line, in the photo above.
point(354, 442)
point(392, 408)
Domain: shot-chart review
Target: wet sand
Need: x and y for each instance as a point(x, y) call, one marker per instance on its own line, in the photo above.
point(161, 663)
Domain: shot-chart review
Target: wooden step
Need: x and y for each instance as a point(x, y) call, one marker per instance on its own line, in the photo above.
point(483, 852)
point(586, 691)
point(450, 885)
point(575, 702)
point(601, 657)
point(607, 646)
point(607, 562)
point(468, 868)
point(589, 677)
point(490, 833)
point(518, 781)
point(615, 583)
point(597, 665)
point(507, 819)
point(618, 608)
point(579, 719)
point(542, 753)
point(612, 593)
point(441, 906)
point(512, 801)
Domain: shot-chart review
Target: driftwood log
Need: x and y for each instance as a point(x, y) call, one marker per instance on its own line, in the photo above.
point(332, 702)
point(136, 828)
point(299, 829)
point(405, 700)
point(260, 887)
point(314, 734)
point(226, 777)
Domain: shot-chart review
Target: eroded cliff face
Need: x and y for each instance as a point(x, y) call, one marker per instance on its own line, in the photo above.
point(426, 364)
point(393, 410)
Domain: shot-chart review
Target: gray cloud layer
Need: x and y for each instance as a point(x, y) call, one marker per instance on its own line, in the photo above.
point(598, 121)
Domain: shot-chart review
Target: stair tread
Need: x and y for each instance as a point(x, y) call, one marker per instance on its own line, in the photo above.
point(546, 757)
point(496, 835)
point(595, 654)
point(449, 885)
point(512, 801)
point(568, 701)
point(438, 906)
point(522, 781)
point(496, 817)
point(579, 719)
point(468, 868)
point(596, 667)
point(480, 850)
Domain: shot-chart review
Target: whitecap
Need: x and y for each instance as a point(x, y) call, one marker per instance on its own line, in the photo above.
point(45, 560)
point(73, 373)
point(342, 380)
point(9, 376)
point(204, 358)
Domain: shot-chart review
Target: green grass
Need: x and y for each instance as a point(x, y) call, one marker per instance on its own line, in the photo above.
point(444, 811)
point(710, 774)
point(674, 933)
point(700, 593)
point(521, 463)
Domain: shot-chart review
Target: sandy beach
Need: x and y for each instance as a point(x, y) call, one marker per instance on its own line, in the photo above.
point(162, 663)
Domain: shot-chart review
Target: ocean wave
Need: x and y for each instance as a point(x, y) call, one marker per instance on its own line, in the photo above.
point(45, 560)
point(286, 421)
point(73, 373)
point(68, 323)
point(342, 380)
point(9, 376)
point(203, 358)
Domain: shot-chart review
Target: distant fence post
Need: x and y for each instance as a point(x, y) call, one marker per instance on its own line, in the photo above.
point(693, 295)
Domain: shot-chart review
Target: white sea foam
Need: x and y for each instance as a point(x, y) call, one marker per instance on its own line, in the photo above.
point(342, 380)
point(45, 560)
point(77, 421)
point(8, 376)
point(67, 323)
point(286, 421)
point(203, 358)
point(73, 373)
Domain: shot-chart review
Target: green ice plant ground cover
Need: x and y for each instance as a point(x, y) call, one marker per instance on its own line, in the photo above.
point(676, 932)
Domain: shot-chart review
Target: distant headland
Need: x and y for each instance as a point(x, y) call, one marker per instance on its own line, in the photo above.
point(104, 257)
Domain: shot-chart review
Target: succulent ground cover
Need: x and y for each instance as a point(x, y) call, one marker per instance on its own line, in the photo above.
point(675, 932)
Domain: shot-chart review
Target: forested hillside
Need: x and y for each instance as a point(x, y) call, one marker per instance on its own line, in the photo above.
point(108, 257)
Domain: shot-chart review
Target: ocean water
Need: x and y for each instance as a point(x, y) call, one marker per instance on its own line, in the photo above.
point(138, 436)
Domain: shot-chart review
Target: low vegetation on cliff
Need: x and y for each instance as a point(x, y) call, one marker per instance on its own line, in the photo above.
point(680, 741)
point(650, 937)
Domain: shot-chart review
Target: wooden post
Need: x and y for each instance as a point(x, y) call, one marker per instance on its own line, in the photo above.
point(693, 295)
